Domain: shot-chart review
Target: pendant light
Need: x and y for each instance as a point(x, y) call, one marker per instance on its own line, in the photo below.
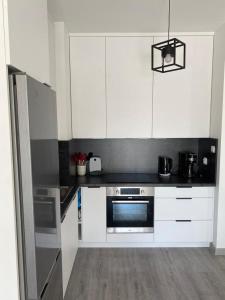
point(169, 55)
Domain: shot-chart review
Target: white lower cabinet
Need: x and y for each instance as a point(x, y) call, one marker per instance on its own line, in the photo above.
point(94, 215)
point(183, 232)
point(183, 215)
point(187, 208)
point(69, 238)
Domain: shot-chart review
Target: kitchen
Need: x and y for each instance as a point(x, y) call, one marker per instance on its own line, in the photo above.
point(90, 111)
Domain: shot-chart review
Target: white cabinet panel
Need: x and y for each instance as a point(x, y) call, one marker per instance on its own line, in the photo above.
point(94, 214)
point(87, 57)
point(130, 238)
point(181, 99)
point(184, 208)
point(186, 232)
point(197, 192)
point(62, 64)
point(69, 237)
point(129, 87)
point(52, 61)
point(26, 29)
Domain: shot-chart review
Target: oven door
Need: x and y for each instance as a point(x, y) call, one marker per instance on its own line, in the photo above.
point(135, 214)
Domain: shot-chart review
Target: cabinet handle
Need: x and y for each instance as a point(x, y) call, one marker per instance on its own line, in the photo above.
point(131, 202)
point(184, 187)
point(57, 257)
point(63, 218)
point(44, 290)
point(183, 221)
point(184, 198)
point(93, 187)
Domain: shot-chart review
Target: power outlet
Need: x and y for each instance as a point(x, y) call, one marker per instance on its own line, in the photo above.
point(205, 161)
point(213, 149)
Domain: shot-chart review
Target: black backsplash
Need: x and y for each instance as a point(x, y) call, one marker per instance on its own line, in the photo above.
point(138, 155)
point(204, 150)
point(64, 160)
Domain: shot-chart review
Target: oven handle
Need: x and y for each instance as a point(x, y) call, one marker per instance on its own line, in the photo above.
point(43, 202)
point(130, 202)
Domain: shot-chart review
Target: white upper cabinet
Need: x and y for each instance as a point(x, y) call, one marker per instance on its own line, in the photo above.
point(181, 99)
point(62, 67)
point(87, 56)
point(26, 31)
point(129, 87)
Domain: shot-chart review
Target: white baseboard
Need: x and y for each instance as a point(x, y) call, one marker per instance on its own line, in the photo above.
point(143, 245)
point(217, 251)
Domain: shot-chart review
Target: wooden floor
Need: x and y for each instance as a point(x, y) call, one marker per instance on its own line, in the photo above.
point(147, 274)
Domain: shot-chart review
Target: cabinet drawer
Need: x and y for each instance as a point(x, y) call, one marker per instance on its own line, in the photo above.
point(175, 192)
point(186, 232)
point(184, 208)
point(130, 238)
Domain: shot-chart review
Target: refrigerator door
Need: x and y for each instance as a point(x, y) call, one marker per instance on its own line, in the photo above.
point(37, 176)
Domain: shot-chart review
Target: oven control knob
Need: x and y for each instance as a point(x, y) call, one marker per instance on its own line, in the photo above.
point(117, 192)
point(142, 192)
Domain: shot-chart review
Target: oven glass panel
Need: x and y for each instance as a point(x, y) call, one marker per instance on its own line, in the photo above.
point(45, 213)
point(126, 213)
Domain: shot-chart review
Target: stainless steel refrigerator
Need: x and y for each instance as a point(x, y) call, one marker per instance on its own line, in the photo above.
point(35, 146)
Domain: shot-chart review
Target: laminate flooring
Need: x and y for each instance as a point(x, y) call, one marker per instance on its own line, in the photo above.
point(147, 274)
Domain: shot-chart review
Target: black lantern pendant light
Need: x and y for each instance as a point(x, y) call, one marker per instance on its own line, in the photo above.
point(169, 55)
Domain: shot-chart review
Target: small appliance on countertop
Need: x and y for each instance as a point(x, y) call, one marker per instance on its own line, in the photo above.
point(165, 165)
point(95, 166)
point(188, 164)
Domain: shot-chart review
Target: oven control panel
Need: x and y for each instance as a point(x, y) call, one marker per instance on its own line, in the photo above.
point(130, 191)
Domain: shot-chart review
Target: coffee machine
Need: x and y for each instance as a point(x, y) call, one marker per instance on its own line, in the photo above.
point(187, 164)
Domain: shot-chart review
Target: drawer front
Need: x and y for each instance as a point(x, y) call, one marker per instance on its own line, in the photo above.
point(183, 232)
point(184, 208)
point(130, 238)
point(197, 192)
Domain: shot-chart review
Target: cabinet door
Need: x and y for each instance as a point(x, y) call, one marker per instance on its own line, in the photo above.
point(87, 57)
point(54, 288)
point(26, 28)
point(94, 214)
point(129, 87)
point(63, 81)
point(181, 100)
point(69, 237)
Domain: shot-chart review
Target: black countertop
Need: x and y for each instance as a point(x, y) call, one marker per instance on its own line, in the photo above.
point(128, 179)
point(65, 203)
point(132, 179)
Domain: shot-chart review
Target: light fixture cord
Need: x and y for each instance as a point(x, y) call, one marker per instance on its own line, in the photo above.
point(169, 22)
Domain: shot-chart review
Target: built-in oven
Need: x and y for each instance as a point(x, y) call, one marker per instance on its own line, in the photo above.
point(130, 209)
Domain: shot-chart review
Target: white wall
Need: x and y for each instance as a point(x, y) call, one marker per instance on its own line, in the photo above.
point(138, 16)
point(9, 286)
point(27, 37)
point(51, 39)
point(218, 131)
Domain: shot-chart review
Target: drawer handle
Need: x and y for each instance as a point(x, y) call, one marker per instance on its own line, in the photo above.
point(184, 187)
point(184, 198)
point(94, 187)
point(183, 221)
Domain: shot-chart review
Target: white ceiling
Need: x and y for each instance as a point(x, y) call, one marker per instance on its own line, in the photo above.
point(138, 15)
